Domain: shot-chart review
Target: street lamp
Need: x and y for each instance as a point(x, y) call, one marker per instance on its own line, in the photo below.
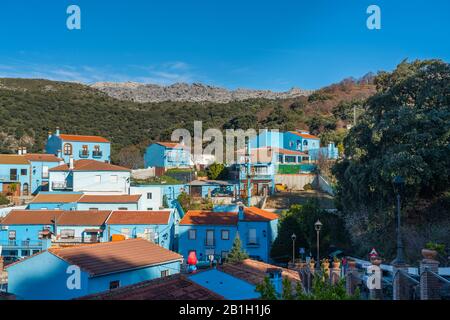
point(293, 237)
point(318, 226)
point(399, 183)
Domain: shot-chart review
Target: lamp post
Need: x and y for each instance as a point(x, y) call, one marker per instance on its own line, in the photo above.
point(399, 183)
point(293, 237)
point(318, 226)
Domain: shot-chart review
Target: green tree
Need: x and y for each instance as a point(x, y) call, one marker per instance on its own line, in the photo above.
point(3, 200)
point(323, 289)
point(267, 290)
point(287, 293)
point(216, 171)
point(237, 253)
point(404, 130)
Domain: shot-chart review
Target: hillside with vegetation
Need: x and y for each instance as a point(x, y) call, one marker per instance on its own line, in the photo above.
point(30, 108)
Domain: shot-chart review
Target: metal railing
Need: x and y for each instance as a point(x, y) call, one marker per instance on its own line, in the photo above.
point(14, 244)
point(60, 185)
point(84, 153)
point(97, 154)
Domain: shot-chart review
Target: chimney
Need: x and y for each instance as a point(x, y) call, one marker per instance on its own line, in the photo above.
point(57, 131)
point(24, 150)
point(59, 154)
point(49, 134)
point(241, 212)
point(19, 151)
point(71, 163)
point(275, 278)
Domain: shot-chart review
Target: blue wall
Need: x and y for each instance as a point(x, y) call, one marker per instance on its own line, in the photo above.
point(157, 155)
point(22, 179)
point(55, 143)
point(36, 174)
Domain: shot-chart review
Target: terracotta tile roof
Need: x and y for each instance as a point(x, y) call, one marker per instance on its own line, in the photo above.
point(111, 257)
point(174, 287)
point(21, 217)
point(257, 214)
point(83, 218)
point(305, 135)
point(122, 198)
point(56, 197)
point(200, 217)
point(139, 217)
point(42, 157)
point(13, 159)
point(90, 165)
point(254, 271)
point(73, 137)
point(289, 152)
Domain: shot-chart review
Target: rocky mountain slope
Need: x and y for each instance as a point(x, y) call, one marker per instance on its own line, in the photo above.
point(196, 92)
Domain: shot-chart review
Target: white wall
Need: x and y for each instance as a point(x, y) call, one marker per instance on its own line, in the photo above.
point(155, 203)
point(89, 182)
point(295, 181)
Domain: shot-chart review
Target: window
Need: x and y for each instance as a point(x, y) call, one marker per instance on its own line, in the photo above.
point(13, 174)
point(114, 178)
point(209, 237)
point(93, 209)
point(25, 189)
point(67, 233)
point(149, 195)
point(97, 152)
point(123, 208)
point(150, 209)
point(192, 234)
point(67, 149)
point(25, 253)
point(305, 142)
point(84, 150)
point(114, 284)
point(98, 179)
point(12, 235)
point(44, 172)
point(164, 273)
point(225, 234)
point(252, 236)
point(23, 172)
point(290, 158)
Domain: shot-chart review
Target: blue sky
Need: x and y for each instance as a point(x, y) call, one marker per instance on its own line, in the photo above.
point(258, 44)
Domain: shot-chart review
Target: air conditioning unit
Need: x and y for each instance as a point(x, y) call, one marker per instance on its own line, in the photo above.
point(5, 227)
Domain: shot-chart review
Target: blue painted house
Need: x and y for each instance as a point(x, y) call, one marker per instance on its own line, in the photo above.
point(213, 232)
point(90, 176)
point(78, 147)
point(22, 231)
point(155, 226)
point(72, 272)
point(167, 155)
point(15, 175)
point(40, 166)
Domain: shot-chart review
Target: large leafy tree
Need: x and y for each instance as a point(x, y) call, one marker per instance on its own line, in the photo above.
point(404, 130)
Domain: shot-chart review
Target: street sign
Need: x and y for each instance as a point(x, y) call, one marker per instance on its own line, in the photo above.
point(373, 253)
point(301, 250)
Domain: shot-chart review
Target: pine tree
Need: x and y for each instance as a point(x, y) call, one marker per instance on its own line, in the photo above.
point(236, 254)
point(267, 290)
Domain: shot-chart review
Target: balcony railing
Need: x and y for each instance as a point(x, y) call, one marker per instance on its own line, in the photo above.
point(9, 178)
point(61, 185)
point(15, 244)
point(97, 154)
point(253, 242)
point(84, 153)
point(77, 240)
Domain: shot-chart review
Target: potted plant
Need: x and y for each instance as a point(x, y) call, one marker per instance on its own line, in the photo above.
point(432, 249)
point(336, 262)
point(326, 264)
point(312, 264)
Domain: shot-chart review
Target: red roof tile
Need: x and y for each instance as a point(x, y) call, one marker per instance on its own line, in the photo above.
point(83, 218)
point(90, 165)
point(254, 272)
point(42, 157)
point(257, 214)
point(31, 217)
point(200, 217)
point(56, 197)
point(111, 257)
point(73, 137)
point(122, 198)
point(174, 287)
point(172, 145)
point(13, 159)
point(139, 217)
point(305, 135)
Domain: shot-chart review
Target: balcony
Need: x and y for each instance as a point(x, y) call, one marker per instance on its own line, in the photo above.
point(9, 178)
point(84, 153)
point(68, 240)
point(210, 243)
point(17, 244)
point(253, 242)
point(61, 185)
point(97, 154)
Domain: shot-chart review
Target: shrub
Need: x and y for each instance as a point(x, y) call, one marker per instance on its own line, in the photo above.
point(3, 200)
point(308, 186)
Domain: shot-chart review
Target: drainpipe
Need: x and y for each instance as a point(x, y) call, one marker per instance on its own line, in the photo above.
point(249, 192)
